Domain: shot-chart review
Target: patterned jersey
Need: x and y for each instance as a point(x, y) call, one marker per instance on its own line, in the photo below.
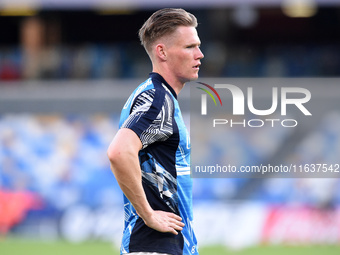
point(153, 113)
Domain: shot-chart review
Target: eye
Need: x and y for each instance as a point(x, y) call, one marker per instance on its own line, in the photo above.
point(193, 46)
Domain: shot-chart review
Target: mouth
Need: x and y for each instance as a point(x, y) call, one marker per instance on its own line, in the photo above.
point(197, 66)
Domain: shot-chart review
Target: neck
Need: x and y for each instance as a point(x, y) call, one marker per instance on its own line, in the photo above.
point(170, 79)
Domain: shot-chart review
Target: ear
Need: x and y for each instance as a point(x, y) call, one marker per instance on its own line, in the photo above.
point(161, 51)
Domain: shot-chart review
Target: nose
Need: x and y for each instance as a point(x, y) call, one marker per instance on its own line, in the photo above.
point(200, 55)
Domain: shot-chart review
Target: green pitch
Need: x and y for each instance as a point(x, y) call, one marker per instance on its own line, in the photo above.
point(27, 247)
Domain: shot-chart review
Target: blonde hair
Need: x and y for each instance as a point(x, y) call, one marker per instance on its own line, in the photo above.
point(164, 22)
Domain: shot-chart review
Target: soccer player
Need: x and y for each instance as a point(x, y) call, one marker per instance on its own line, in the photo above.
point(150, 154)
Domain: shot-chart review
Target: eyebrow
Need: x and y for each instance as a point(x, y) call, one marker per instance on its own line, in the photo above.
point(193, 44)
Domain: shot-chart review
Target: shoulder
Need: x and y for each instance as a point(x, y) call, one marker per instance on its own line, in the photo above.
point(155, 96)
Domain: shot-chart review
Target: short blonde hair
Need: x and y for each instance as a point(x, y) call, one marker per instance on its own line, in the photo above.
point(164, 22)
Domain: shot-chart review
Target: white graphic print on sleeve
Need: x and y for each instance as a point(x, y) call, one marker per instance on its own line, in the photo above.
point(160, 128)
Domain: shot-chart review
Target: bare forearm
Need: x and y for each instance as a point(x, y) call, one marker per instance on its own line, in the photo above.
point(128, 175)
point(123, 155)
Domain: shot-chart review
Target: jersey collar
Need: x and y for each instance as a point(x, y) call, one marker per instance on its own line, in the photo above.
point(158, 77)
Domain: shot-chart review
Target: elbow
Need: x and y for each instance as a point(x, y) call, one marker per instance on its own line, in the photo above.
point(118, 155)
point(113, 154)
point(123, 149)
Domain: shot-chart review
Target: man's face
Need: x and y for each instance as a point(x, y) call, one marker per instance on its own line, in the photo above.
point(184, 54)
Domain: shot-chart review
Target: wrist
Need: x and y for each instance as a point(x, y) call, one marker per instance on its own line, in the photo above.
point(145, 213)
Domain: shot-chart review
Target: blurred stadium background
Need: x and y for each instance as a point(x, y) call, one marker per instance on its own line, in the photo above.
point(66, 69)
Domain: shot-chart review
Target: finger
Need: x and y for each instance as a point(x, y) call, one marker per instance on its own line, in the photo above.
point(176, 227)
point(178, 223)
point(173, 231)
point(175, 216)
